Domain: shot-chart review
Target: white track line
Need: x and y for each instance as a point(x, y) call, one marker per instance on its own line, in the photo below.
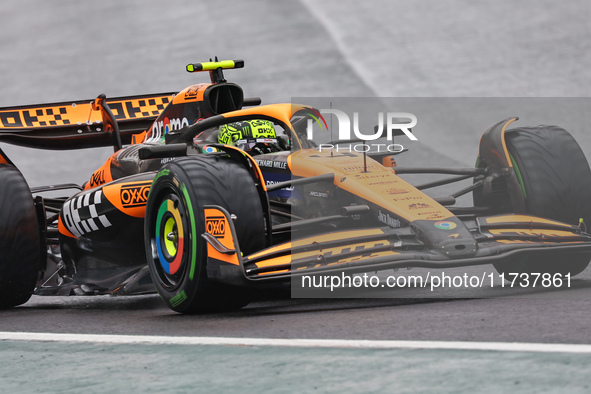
point(303, 343)
point(357, 68)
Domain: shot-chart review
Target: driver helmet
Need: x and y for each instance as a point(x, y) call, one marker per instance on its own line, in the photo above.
point(253, 136)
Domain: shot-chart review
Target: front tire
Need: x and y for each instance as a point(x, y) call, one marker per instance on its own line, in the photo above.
point(176, 252)
point(20, 247)
point(555, 180)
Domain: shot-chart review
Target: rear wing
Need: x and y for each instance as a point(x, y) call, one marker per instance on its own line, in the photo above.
point(78, 124)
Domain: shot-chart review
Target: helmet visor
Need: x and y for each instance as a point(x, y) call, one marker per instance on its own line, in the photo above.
point(248, 144)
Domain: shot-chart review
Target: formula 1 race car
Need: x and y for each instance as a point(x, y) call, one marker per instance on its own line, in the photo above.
point(209, 193)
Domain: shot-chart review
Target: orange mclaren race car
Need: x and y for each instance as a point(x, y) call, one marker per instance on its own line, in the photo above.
point(209, 193)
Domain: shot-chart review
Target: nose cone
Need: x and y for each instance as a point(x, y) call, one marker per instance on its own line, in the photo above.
point(449, 237)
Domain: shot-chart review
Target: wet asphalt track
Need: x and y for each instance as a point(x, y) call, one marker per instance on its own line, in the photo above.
point(62, 50)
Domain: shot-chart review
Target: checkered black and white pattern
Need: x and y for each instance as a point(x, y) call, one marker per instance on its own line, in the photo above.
point(81, 216)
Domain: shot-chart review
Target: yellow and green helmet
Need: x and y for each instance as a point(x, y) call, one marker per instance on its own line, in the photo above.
point(247, 133)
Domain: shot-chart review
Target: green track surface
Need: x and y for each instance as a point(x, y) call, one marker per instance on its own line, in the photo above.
point(91, 368)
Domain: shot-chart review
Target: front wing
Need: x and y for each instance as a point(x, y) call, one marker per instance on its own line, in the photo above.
point(499, 238)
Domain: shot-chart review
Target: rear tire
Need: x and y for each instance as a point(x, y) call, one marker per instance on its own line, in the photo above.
point(20, 247)
point(556, 182)
point(175, 205)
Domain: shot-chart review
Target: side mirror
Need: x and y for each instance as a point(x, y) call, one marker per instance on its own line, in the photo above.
point(389, 161)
